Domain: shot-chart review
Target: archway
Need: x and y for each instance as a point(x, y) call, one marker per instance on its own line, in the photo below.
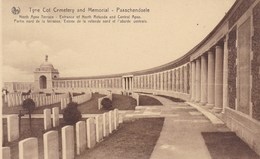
point(43, 82)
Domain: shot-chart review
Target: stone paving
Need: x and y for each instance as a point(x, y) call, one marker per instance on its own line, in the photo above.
point(181, 136)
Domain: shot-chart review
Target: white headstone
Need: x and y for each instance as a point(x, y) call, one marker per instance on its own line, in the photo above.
point(81, 137)
point(91, 133)
point(47, 119)
point(68, 143)
point(51, 145)
point(116, 118)
point(55, 116)
point(28, 148)
point(6, 153)
point(12, 127)
point(111, 121)
point(99, 127)
point(105, 125)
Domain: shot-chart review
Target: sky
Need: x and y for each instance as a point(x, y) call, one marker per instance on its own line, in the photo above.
point(173, 28)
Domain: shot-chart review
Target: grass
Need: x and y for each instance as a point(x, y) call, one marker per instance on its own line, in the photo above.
point(37, 110)
point(146, 100)
point(226, 145)
point(120, 102)
point(172, 98)
point(37, 131)
point(133, 139)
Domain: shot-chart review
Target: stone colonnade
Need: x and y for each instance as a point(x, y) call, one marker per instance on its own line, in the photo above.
point(89, 83)
point(208, 80)
point(127, 82)
point(176, 80)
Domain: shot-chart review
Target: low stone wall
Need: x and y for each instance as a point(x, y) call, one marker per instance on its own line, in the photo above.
point(77, 99)
point(180, 95)
point(39, 99)
point(136, 97)
point(246, 128)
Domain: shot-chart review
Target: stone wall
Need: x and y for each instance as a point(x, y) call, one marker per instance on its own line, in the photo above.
point(255, 65)
point(232, 67)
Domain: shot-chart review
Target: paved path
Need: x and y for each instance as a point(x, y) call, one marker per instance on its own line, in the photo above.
point(181, 137)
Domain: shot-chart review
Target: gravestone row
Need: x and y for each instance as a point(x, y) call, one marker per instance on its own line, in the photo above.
point(88, 133)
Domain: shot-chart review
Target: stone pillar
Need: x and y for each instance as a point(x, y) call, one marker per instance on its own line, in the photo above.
point(170, 80)
point(219, 80)
point(123, 83)
point(198, 80)
point(154, 81)
point(204, 82)
point(165, 80)
point(181, 79)
point(225, 75)
point(173, 80)
point(211, 79)
point(130, 83)
point(177, 80)
point(193, 81)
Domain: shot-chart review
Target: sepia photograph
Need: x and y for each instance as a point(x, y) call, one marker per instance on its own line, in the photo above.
point(130, 79)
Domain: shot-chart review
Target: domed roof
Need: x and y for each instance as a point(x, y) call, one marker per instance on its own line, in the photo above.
point(46, 64)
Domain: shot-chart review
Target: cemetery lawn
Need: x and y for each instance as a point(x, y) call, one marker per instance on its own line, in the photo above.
point(133, 139)
point(147, 100)
point(37, 131)
point(172, 98)
point(120, 102)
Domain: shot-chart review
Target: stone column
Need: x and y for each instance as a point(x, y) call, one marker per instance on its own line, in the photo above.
point(161, 81)
point(181, 79)
point(126, 83)
point(211, 79)
point(225, 75)
point(170, 80)
point(204, 82)
point(141, 82)
point(177, 80)
point(154, 81)
point(185, 79)
point(123, 82)
point(158, 81)
point(219, 80)
point(198, 80)
point(130, 83)
point(165, 80)
point(149, 82)
point(173, 80)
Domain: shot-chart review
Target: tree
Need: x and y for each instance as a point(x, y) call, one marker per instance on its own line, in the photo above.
point(106, 103)
point(29, 105)
point(71, 114)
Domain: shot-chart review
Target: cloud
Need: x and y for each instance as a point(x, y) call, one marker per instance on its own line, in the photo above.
point(11, 74)
point(25, 56)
